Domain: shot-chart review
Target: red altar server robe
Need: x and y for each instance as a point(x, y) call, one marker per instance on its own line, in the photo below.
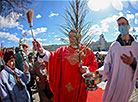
point(65, 78)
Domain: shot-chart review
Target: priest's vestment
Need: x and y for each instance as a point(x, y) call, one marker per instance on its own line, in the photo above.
point(65, 77)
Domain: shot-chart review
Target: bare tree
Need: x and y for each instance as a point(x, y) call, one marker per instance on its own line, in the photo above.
point(8, 6)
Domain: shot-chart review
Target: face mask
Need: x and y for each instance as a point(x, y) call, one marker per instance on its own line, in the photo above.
point(123, 30)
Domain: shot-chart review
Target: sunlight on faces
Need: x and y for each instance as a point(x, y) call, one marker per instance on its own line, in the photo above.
point(11, 63)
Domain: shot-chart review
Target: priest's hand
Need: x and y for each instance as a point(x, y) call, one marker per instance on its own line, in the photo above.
point(83, 70)
point(127, 59)
point(37, 46)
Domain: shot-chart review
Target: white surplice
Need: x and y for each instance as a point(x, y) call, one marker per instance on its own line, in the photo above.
point(120, 76)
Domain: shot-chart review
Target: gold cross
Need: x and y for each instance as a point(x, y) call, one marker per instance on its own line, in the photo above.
point(69, 87)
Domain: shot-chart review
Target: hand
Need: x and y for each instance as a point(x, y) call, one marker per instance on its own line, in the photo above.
point(37, 79)
point(26, 67)
point(37, 46)
point(23, 56)
point(98, 74)
point(127, 59)
point(83, 70)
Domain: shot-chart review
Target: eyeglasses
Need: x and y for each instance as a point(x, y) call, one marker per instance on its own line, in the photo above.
point(123, 24)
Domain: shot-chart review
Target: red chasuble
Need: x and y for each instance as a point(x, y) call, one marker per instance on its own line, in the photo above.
point(65, 78)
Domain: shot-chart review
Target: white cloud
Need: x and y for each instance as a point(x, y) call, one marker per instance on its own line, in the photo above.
point(120, 14)
point(10, 21)
point(136, 14)
point(39, 39)
point(103, 27)
point(3, 41)
point(94, 30)
point(38, 16)
point(58, 39)
point(128, 11)
point(109, 19)
point(105, 23)
point(93, 40)
point(116, 34)
point(136, 28)
point(56, 36)
point(9, 36)
point(36, 31)
point(53, 14)
point(49, 35)
point(96, 5)
point(28, 39)
point(129, 16)
point(20, 27)
point(136, 21)
point(117, 4)
point(43, 44)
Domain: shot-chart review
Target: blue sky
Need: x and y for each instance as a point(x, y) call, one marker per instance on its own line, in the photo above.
point(48, 15)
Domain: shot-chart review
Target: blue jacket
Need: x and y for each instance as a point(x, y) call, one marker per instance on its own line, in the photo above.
point(8, 89)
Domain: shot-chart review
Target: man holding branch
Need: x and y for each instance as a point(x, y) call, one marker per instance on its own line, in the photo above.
point(64, 70)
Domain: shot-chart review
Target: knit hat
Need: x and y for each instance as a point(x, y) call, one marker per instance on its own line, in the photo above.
point(8, 55)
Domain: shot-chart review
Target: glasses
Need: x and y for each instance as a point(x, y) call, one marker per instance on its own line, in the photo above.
point(123, 24)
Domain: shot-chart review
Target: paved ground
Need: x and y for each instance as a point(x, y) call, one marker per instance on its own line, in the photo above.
point(134, 96)
point(35, 95)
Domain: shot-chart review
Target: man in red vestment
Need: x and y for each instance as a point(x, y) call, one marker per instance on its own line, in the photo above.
point(65, 73)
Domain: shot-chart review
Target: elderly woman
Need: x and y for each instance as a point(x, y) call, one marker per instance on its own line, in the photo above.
point(13, 81)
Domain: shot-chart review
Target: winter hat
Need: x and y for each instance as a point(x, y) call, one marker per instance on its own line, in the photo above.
point(8, 55)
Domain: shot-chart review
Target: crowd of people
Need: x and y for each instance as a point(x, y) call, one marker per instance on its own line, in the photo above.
point(58, 74)
point(23, 65)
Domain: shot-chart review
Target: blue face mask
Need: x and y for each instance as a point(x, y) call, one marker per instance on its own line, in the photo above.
point(123, 30)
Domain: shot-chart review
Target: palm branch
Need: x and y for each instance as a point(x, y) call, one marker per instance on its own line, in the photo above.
point(75, 15)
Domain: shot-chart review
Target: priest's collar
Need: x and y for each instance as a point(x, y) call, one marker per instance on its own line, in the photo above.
point(124, 42)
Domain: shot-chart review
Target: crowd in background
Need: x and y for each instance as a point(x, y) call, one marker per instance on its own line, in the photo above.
point(100, 59)
point(37, 69)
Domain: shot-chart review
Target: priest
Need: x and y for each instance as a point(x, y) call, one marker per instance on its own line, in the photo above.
point(65, 71)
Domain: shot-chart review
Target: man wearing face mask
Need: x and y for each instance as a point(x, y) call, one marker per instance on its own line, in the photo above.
point(120, 65)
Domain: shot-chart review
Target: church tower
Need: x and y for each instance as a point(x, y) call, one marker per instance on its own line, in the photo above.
point(102, 43)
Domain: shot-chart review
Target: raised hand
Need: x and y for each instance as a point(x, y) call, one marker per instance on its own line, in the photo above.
point(127, 59)
point(37, 46)
point(26, 66)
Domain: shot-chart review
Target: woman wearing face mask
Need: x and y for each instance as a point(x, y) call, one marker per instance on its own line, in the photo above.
point(13, 81)
point(120, 65)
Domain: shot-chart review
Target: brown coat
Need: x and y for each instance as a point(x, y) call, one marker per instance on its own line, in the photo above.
point(39, 73)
